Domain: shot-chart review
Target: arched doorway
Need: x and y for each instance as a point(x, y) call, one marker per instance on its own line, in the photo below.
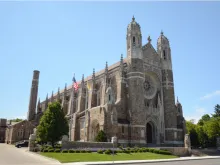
point(94, 130)
point(149, 133)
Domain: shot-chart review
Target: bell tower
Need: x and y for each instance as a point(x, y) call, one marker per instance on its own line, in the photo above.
point(135, 80)
point(170, 113)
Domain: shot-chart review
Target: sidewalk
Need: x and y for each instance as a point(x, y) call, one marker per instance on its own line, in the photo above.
point(144, 161)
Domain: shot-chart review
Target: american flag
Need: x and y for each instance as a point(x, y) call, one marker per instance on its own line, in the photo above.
point(75, 84)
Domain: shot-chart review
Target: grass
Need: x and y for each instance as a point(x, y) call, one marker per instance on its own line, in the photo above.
point(89, 157)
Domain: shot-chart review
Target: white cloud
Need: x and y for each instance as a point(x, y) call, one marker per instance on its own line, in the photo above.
point(210, 95)
point(196, 114)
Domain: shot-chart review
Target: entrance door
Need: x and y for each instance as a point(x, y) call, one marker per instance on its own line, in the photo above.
point(149, 133)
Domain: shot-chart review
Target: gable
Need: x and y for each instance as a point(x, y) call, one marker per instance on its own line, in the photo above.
point(150, 54)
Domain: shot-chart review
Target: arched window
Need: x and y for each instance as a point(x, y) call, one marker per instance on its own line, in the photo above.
point(133, 40)
point(164, 55)
point(109, 97)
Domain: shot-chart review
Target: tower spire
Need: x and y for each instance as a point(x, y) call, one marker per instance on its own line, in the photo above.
point(149, 39)
point(51, 99)
point(133, 19)
point(58, 94)
point(106, 67)
point(93, 74)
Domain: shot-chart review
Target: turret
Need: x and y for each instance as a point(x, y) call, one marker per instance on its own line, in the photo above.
point(46, 102)
point(64, 101)
point(93, 92)
point(38, 106)
point(58, 95)
point(51, 98)
point(81, 96)
point(134, 40)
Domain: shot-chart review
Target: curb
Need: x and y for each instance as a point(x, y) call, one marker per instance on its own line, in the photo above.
point(145, 161)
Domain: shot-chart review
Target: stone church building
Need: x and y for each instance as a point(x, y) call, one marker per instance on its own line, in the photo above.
point(132, 99)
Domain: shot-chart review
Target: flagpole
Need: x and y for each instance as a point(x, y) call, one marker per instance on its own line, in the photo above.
point(85, 131)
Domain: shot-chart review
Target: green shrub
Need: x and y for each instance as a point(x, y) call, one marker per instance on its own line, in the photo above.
point(88, 151)
point(156, 151)
point(45, 150)
point(132, 150)
point(140, 150)
point(57, 146)
point(165, 152)
point(144, 149)
point(126, 151)
point(151, 150)
point(77, 151)
point(71, 151)
point(120, 147)
point(83, 151)
point(108, 151)
point(49, 147)
point(57, 150)
point(50, 150)
point(100, 151)
point(64, 151)
point(101, 137)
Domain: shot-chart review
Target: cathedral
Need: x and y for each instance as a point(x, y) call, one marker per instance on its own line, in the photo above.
point(132, 99)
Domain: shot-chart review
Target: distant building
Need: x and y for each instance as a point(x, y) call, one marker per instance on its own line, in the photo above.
point(3, 125)
point(17, 131)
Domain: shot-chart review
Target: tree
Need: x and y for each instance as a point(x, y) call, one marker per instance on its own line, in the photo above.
point(217, 111)
point(212, 127)
point(53, 124)
point(191, 130)
point(16, 120)
point(204, 118)
point(202, 136)
point(101, 137)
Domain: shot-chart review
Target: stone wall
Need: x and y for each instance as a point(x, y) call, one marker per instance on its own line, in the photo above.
point(178, 151)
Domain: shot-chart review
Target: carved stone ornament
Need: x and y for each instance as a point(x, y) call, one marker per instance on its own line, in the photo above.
point(149, 87)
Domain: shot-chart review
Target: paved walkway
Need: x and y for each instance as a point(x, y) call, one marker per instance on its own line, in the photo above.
point(10, 155)
point(176, 161)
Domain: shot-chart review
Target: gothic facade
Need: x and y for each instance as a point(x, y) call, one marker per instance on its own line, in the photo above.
point(132, 99)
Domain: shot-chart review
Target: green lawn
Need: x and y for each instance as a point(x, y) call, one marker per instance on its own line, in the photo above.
point(87, 157)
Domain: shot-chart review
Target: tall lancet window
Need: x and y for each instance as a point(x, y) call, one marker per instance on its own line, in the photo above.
point(133, 40)
point(164, 55)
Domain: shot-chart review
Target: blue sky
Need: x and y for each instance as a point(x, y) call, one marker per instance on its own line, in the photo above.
point(62, 38)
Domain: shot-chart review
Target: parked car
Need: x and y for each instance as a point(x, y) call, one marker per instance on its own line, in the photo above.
point(22, 144)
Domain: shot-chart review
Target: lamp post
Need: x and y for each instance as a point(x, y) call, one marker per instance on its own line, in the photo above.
point(114, 140)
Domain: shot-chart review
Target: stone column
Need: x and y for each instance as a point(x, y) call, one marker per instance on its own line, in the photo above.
point(32, 138)
point(187, 143)
point(33, 96)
